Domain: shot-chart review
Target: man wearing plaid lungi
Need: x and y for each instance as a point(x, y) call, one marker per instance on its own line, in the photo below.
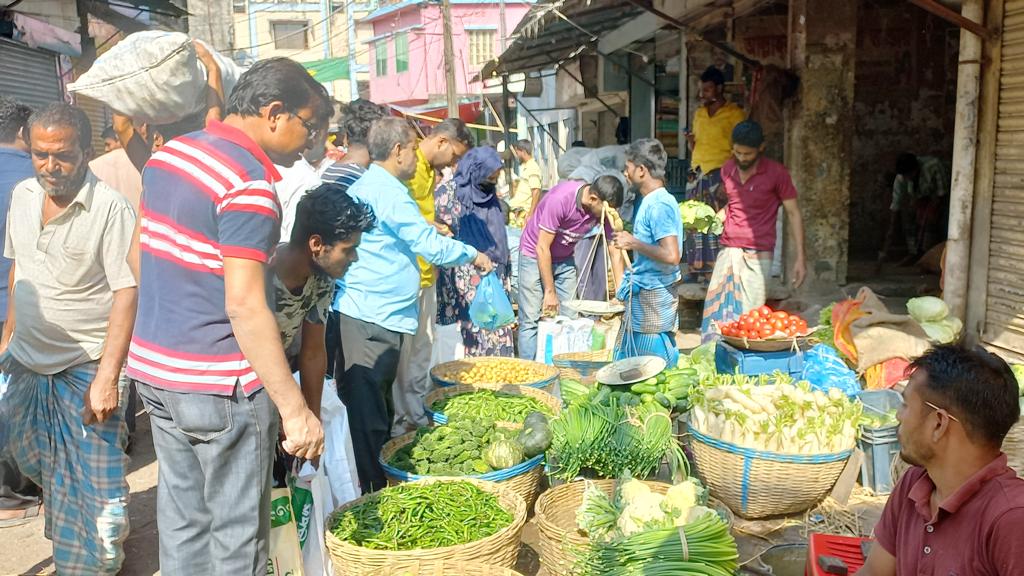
point(65, 343)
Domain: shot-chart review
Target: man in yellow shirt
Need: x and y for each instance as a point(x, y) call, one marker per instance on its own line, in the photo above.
point(528, 186)
point(710, 144)
point(447, 142)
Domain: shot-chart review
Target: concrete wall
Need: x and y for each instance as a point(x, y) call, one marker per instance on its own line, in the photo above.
point(213, 22)
point(425, 78)
point(326, 37)
point(904, 100)
point(819, 150)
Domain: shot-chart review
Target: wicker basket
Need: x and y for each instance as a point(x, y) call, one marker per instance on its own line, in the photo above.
point(756, 484)
point(442, 568)
point(582, 366)
point(498, 549)
point(524, 478)
point(1013, 447)
point(543, 397)
point(550, 373)
point(560, 540)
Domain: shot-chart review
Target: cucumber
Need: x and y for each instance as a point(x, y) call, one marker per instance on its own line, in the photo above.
point(643, 388)
point(647, 398)
point(660, 378)
point(682, 405)
point(671, 399)
point(663, 400)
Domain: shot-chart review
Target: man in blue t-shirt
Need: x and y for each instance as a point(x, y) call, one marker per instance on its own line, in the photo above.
point(649, 325)
point(19, 497)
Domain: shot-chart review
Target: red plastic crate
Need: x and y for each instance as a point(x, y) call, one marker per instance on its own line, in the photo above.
point(846, 548)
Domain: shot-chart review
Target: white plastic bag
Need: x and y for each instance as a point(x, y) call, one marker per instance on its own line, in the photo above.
point(448, 344)
point(310, 492)
point(338, 460)
point(561, 335)
point(152, 76)
point(285, 556)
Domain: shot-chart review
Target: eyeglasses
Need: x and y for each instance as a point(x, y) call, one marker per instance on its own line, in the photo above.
point(311, 129)
point(942, 410)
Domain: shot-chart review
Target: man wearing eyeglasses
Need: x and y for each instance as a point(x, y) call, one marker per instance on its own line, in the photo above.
point(302, 176)
point(960, 509)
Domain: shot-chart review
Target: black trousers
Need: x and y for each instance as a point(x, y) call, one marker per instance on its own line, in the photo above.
point(369, 354)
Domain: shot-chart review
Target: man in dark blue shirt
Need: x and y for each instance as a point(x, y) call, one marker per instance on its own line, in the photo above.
point(19, 497)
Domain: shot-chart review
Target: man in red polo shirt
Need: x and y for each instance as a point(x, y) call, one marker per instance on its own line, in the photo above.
point(960, 510)
point(756, 187)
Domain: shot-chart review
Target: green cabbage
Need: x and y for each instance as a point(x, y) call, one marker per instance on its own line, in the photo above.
point(927, 309)
point(939, 332)
point(1018, 371)
point(699, 216)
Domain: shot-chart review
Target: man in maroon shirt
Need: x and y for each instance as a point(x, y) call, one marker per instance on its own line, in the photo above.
point(960, 510)
point(756, 187)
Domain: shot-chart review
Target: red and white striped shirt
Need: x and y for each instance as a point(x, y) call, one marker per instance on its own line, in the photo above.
point(205, 196)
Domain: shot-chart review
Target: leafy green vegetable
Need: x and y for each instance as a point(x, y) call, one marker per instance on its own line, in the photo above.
point(417, 516)
point(700, 217)
point(1018, 371)
point(927, 309)
point(605, 434)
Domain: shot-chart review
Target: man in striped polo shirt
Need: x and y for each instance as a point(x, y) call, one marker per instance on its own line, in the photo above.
point(206, 350)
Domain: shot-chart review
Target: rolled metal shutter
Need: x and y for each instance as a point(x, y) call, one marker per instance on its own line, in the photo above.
point(1004, 302)
point(29, 75)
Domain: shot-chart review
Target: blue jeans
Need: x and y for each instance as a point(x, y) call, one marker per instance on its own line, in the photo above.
point(531, 299)
point(216, 454)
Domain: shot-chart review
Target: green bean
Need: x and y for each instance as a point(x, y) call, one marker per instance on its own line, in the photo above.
point(490, 405)
point(419, 516)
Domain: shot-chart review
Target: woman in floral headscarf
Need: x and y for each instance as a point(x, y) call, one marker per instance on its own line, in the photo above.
point(467, 203)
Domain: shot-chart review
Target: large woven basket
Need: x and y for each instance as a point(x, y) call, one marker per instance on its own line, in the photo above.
point(560, 539)
point(442, 568)
point(499, 549)
point(581, 366)
point(548, 375)
point(1013, 447)
point(545, 398)
point(757, 484)
point(524, 478)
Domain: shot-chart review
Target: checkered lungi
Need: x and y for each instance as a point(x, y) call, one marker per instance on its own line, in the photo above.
point(80, 468)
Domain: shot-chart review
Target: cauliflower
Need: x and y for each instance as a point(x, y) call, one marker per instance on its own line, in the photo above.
point(642, 510)
point(682, 497)
point(631, 490)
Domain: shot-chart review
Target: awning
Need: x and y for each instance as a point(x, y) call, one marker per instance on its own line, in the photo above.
point(469, 110)
point(328, 69)
point(555, 30)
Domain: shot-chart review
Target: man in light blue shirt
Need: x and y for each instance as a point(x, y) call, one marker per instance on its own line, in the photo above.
point(377, 299)
point(648, 328)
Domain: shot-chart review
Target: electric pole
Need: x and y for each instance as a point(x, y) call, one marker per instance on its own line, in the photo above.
point(449, 60)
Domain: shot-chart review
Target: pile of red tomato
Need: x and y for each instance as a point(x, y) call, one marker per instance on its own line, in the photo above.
point(761, 323)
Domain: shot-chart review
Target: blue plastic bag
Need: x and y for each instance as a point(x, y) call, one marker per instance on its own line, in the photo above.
point(824, 369)
point(491, 308)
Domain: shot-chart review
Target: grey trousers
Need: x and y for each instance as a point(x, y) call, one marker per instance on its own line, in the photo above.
point(216, 456)
point(369, 354)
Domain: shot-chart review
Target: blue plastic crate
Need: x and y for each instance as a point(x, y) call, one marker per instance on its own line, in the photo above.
point(728, 359)
point(876, 469)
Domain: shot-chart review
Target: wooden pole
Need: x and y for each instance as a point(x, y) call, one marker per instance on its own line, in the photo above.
point(965, 132)
point(984, 182)
point(449, 60)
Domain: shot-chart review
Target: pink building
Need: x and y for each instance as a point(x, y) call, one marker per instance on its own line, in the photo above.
point(407, 47)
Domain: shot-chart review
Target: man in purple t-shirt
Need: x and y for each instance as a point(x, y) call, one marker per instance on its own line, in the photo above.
point(547, 272)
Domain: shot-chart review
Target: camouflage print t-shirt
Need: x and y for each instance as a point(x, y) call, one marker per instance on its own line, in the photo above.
point(311, 305)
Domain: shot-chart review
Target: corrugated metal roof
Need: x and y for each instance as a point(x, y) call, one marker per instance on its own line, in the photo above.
point(554, 30)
